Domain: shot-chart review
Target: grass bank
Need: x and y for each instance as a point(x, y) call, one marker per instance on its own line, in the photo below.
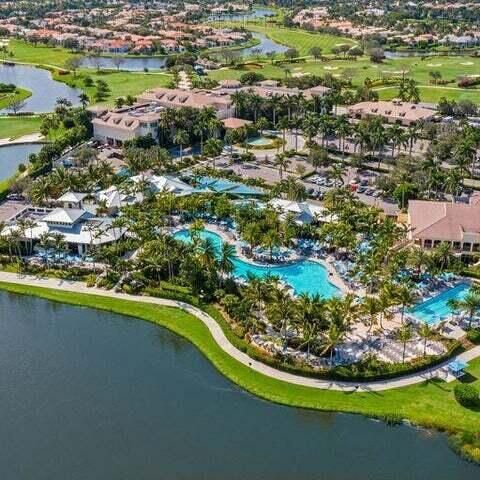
point(431, 404)
point(15, 127)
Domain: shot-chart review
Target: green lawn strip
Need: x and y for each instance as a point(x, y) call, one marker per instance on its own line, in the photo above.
point(120, 83)
point(430, 404)
point(433, 95)
point(302, 40)
point(14, 127)
point(40, 54)
point(21, 94)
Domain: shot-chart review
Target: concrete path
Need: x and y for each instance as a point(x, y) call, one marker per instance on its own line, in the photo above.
point(31, 138)
point(227, 347)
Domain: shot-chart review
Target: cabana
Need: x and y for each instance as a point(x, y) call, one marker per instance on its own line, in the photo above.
point(457, 367)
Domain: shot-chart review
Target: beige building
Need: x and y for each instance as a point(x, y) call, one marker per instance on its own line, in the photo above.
point(116, 126)
point(176, 98)
point(432, 223)
point(402, 113)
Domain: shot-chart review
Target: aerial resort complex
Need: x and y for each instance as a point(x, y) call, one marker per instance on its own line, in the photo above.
point(287, 193)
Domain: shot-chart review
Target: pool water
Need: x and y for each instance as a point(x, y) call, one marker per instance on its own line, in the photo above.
point(259, 141)
point(436, 309)
point(303, 276)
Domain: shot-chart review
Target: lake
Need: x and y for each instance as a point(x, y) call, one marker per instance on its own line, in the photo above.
point(266, 45)
point(92, 395)
point(45, 90)
point(12, 156)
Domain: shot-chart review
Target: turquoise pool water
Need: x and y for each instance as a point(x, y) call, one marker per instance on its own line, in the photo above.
point(436, 309)
point(304, 276)
point(259, 141)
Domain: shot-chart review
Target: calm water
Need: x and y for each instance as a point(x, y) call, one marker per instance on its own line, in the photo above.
point(13, 155)
point(133, 64)
point(45, 90)
point(92, 395)
point(265, 46)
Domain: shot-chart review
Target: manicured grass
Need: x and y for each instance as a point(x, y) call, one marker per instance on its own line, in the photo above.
point(302, 40)
point(19, 95)
point(40, 54)
point(431, 404)
point(14, 127)
point(119, 83)
point(450, 67)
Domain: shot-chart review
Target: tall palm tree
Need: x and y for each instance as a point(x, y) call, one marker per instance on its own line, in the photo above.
point(181, 138)
point(333, 337)
point(281, 311)
point(404, 295)
point(370, 307)
point(404, 335)
point(274, 102)
point(426, 332)
point(225, 261)
point(470, 304)
point(281, 162)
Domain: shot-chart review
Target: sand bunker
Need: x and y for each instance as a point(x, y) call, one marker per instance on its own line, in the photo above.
point(330, 68)
point(467, 63)
point(434, 64)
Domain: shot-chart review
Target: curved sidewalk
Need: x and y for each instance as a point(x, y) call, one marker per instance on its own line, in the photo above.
point(227, 347)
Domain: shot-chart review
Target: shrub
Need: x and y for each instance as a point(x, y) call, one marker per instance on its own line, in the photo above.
point(91, 280)
point(466, 395)
point(474, 336)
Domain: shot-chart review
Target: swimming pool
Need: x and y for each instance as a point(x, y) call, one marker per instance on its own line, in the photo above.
point(436, 309)
point(304, 276)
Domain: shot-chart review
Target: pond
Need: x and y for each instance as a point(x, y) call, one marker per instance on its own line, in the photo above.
point(45, 90)
point(265, 46)
point(134, 64)
point(11, 156)
point(90, 394)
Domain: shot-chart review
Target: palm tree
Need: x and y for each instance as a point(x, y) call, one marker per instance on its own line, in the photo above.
point(426, 332)
point(404, 335)
point(225, 261)
point(281, 311)
point(282, 162)
point(284, 125)
point(343, 129)
point(213, 148)
point(333, 337)
point(181, 138)
point(404, 296)
point(371, 308)
point(470, 304)
point(274, 103)
point(271, 240)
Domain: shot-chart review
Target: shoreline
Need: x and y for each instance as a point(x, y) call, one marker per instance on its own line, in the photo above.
point(428, 404)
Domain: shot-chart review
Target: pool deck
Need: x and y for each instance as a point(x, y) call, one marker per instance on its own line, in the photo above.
point(437, 372)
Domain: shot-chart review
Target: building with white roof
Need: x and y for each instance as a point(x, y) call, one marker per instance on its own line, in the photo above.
point(303, 212)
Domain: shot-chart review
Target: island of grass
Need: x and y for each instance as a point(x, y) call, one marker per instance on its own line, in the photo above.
point(11, 94)
point(431, 404)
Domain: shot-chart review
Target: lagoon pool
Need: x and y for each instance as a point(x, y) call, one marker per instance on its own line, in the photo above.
point(259, 141)
point(304, 276)
point(435, 309)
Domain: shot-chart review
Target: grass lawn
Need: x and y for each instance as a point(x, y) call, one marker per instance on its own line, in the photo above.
point(20, 95)
point(450, 67)
point(40, 54)
point(119, 83)
point(302, 40)
point(431, 404)
point(14, 127)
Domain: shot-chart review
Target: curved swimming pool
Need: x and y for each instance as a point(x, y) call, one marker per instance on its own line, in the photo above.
point(304, 276)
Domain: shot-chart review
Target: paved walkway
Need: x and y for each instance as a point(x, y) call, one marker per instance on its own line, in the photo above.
point(227, 347)
point(31, 138)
